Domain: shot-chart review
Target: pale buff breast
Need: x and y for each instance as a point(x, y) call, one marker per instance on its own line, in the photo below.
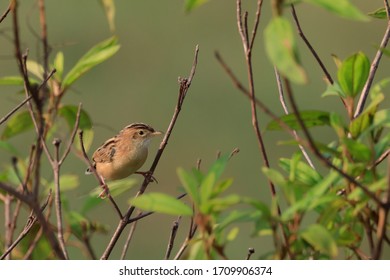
point(125, 165)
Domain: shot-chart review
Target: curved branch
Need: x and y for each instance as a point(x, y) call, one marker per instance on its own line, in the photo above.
point(185, 83)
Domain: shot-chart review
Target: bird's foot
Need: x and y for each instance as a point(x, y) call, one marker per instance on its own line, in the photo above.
point(148, 176)
point(105, 191)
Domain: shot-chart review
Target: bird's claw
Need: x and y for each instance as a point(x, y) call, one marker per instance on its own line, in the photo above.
point(148, 176)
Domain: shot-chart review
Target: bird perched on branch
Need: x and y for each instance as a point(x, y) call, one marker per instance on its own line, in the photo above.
point(125, 153)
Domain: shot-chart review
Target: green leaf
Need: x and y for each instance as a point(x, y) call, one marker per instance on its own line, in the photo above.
point(378, 87)
point(336, 122)
point(281, 48)
point(310, 118)
point(192, 4)
point(162, 203)
point(15, 81)
point(359, 151)
point(221, 187)
point(275, 176)
point(313, 198)
point(116, 189)
point(190, 185)
point(333, 90)
point(67, 182)
point(93, 57)
point(77, 223)
point(59, 65)
point(353, 73)
point(232, 234)
point(219, 204)
point(8, 147)
point(320, 238)
point(303, 172)
point(239, 216)
point(35, 68)
point(69, 113)
point(364, 120)
point(386, 52)
point(379, 13)
point(109, 10)
point(382, 118)
point(341, 8)
point(17, 123)
point(206, 187)
point(219, 166)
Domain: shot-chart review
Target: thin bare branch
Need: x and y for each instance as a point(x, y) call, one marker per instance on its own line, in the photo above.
point(312, 50)
point(72, 137)
point(251, 251)
point(131, 234)
point(6, 117)
point(7, 224)
point(58, 204)
point(183, 89)
point(184, 245)
point(46, 51)
point(383, 214)
point(134, 221)
point(6, 12)
point(97, 176)
point(243, 34)
point(256, 23)
point(18, 52)
point(248, 57)
point(172, 237)
point(318, 154)
point(259, 103)
point(285, 108)
point(374, 66)
point(30, 222)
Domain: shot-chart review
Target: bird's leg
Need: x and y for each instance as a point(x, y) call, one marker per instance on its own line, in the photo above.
point(147, 175)
point(105, 191)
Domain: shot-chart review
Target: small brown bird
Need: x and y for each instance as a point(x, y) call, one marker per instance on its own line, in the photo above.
point(125, 153)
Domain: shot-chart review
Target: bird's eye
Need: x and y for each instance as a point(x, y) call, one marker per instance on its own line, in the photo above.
point(141, 132)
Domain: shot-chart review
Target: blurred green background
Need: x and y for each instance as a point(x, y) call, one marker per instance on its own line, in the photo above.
point(139, 84)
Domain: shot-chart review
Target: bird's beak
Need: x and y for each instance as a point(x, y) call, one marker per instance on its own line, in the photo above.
point(156, 133)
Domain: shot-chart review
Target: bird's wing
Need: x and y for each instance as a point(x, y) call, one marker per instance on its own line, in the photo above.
point(106, 152)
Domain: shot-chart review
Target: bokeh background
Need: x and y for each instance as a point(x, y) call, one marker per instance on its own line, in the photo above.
point(139, 84)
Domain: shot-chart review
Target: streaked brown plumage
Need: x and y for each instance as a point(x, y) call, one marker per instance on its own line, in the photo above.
point(125, 153)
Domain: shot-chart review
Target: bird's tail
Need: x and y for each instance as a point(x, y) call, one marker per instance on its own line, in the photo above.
point(89, 170)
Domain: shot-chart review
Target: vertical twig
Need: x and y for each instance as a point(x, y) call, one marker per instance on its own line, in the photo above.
point(97, 176)
point(251, 251)
point(46, 50)
point(383, 214)
point(285, 109)
point(56, 163)
point(15, 109)
point(32, 201)
point(7, 223)
point(374, 65)
point(242, 28)
point(129, 237)
point(30, 222)
point(6, 12)
point(312, 50)
point(42, 20)
point(318, 154)
point(57, 197)
point(172, 237)
point(184, 245)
